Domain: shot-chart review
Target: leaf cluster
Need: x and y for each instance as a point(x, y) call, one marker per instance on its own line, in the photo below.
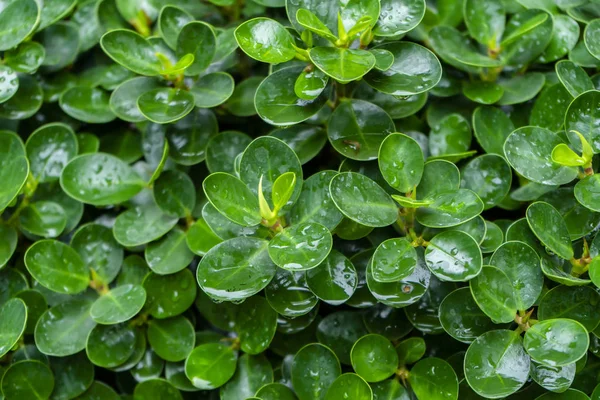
point(299, 199)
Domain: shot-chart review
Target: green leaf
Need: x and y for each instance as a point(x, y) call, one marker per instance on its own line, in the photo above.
point(63, 329)
point(581, 115)
point(454, 256)
point(521, 264)
point(343, 65)
point(334, 280)
point(310, 84)
point(357, 128)
point(565, 34)
point(256, 324)
point(348, 386)
point(308, 20)
point(14, 317)
point(459, 51)
point(200, 238)
point(494, 293)
point(433, 378)
point(483, 92)
point(155, 389)
point(27, 57)
point(591, 35)
point(496, 364)
point(301, 247)
point(549, 226)
point(98, 250)
point(555, 379)
point(485, 21)
point(489, 176)
point(265, 40)
point(49, 149)
point(61, 45)
point(550, 108)
point(587, 192)
point(266, 159)
point(390, 389)
point(315, 204)
point(118, 305)
point(574, 302)
point(87, 105)
point(521, 88)
point(132, 51)
point(374, 358)
point(398, 17)
point(393, 260)
point(197, 38)
point(18, 20)
point(401, 162)
point(282, 190)
point(232, 198)
point(172, 338)
point(174, 193)
point(14, 167)
point(415, 70)
point(8, 243)
point(141, 225)
point(222, 150)
point(529, 149)
point(169, 295)
point(123, 100)
point(57, 267)
point(277, 103)
point(275, 391)
point(170, 254)
point(43, 218)
point(171, 21)
point(563, 155)
point(73, 375)
point(251, 374)
point(236, 269)
point(110, 345)
point(314, 369)
point(165, 105)
point(9, 83)
point(189, 136)
point(449, 208)
point(212, 90)
point(461, 317)
point(26, 102)
point(556, 342)
point(28, 379)
point(526, 36)
point(54, 11)
point(289, 295)
point(573, 78)
point(383, 59)
point(362, 200)
point(451, 136)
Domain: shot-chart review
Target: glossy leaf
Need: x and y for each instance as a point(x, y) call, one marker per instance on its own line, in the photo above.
point(548, 225)
point(453, 256)
point(556, 342)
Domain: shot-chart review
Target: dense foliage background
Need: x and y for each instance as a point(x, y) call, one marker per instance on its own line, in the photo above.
point(301, 199)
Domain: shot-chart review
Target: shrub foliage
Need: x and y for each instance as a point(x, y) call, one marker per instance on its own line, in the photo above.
point(299, 199)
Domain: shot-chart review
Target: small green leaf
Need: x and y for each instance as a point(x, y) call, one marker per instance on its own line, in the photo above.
point(141, 225)
point(374, 358)
point(393, 260)
point(265, 40)
point(256, 324)
point(118, 305)
point(172, 338)
point(169, 295)
point(132, 51)
point(310, 84)
point(18, 20)
point(14, 167)
point(170, 22)
point(210, 365)
point(197, 38)
point(449, 208)
point(454, 256)
point(343, 65)
point(581, 115)
point(14, 317)
point(398, 17)
point(289, 295)
point(232, 198)
point(493, 292)
point(212, 89)
point(362, 200)
point(165, 105)
point(236, 269)
point(521, 88)
point(587, 192)
point(556, 342)
point(489, 176)
point(433, 378)
point(301, 247)
point(349, 386)
point(28, 379)
point(573, 77)
point(401, 162)
point(485, 21)
point(314, 369)
point(496, 364)
point(549, 226)
point(87, 104)
point(334, 280)
point(57, 267)
point(282, 190)
point(310, 21)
